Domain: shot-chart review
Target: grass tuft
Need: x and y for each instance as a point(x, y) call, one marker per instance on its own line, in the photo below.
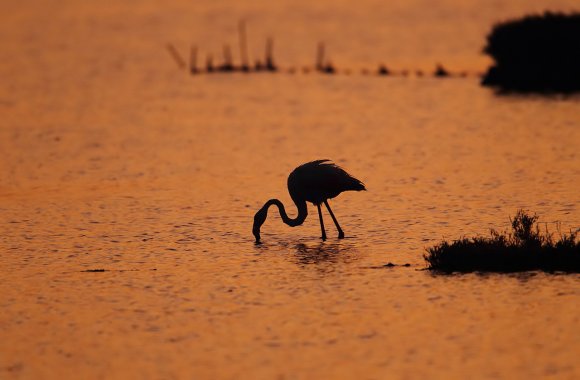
point(525, 248)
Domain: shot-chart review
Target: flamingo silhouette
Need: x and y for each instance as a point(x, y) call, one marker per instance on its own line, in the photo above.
point(314, 182)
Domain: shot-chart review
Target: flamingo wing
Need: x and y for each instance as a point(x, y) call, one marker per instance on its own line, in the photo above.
point(319, 180)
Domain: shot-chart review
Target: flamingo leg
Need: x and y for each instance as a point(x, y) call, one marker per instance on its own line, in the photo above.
point(321, 222)
point(340, 233)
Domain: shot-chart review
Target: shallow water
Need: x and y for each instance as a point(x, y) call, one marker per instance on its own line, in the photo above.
point(113, 159)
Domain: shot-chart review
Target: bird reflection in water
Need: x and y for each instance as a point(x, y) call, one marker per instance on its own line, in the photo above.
point(324, 253)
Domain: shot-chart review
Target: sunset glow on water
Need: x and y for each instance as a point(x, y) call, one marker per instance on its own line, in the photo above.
point(129, 189)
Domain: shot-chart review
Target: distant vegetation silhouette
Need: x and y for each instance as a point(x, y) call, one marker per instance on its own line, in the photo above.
point(314, 182)
point(524, 249)
point(538, 53)
point(322, 64)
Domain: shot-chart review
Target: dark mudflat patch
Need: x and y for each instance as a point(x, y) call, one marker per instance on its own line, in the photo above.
point(100, 270)
point(525, 248)
point(389, 265)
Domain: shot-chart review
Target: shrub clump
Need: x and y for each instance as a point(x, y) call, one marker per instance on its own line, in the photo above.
point(525, 248)
point(537, 53)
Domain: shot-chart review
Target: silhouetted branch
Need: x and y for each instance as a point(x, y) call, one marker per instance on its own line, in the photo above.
point(245, 66)
point(228, 62)
point(176, 56)
point(209, 64)
point(319, 57)
point(193, 60)
point(270, 66)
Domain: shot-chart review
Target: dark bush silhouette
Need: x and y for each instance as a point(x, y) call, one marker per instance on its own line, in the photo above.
point(538, 53)
point(524, 249)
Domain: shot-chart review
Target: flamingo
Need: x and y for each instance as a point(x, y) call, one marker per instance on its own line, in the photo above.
point(315, 182)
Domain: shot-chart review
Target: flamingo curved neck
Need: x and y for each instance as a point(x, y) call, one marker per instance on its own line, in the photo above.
point(300, 205)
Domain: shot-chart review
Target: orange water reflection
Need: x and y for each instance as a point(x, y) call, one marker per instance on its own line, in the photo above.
point(115, 160)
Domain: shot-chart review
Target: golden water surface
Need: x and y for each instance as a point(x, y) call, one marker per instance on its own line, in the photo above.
point(114, 159)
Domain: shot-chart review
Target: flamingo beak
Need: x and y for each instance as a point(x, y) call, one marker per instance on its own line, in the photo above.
point(256, 232)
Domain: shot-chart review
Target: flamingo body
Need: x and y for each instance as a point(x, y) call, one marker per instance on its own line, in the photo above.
point(314, 182)
point(320, 180)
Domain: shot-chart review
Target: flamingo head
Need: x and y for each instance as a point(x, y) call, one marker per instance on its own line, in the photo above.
point(259, 219)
